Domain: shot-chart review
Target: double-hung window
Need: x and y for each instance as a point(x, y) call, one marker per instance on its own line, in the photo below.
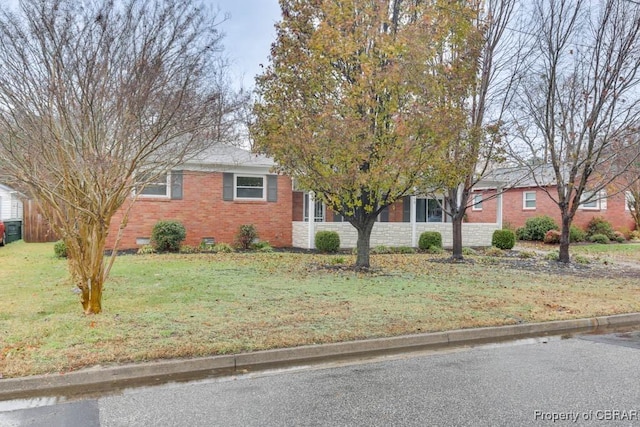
point(158, 187)
point(477, 202)
point(593, 201)
point(250, 187)
point(529, 200)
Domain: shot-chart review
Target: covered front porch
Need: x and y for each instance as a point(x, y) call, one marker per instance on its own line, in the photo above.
point(399, 225)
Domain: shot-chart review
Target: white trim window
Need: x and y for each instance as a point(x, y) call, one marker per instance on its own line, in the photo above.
point(249, 187)
point(529, 200)
point(599, 203)
point(477, 202)
point(160, 187)
point(629, 201)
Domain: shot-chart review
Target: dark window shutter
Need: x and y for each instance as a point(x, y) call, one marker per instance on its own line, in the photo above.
point(272, 188)
point(227, 186)
point(406, 209)
point(384, 215)
point(176, 185)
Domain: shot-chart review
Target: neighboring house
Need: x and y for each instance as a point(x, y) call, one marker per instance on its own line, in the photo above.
point(212, 196)
point(10, 204)
point(525, 198)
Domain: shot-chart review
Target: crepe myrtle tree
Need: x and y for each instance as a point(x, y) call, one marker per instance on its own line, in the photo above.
point(344, 105)
point(97, 98)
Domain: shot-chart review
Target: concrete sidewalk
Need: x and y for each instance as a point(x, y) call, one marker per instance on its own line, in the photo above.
point(100, 379)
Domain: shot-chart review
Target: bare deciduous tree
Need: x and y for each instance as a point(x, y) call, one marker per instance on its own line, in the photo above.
point(476, 144)
point(96, 99)
point(579, 99)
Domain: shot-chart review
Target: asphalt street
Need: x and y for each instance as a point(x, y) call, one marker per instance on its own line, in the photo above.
point(587, 380)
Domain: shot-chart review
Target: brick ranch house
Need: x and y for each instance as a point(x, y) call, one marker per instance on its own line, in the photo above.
point(212, 196)
point(228, 186)
point(527, 198)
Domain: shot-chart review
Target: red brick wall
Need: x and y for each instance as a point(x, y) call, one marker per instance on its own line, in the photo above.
point(204, 214)
point(515, 215)
point(488, 212)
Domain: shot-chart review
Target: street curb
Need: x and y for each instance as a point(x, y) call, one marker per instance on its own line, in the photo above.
point(99, 379)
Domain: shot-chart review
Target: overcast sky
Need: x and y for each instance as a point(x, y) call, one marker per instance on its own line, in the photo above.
point(249, 34)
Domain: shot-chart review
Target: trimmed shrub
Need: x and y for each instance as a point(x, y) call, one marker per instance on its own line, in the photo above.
point(599, 225)
point(599, 238)
point(576, 234)
point(503, 239)
point(60, 249)
point(327, 241)
point(430, 239)
point(247, 234)
point(552, 237)
point(167, 236)
point(381, 250)
point(535, 228)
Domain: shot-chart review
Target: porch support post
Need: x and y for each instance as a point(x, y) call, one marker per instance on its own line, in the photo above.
point(414, 230)
point(312, 217)
point(499, 207)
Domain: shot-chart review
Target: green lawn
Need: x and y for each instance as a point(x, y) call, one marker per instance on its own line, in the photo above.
point(161, 306)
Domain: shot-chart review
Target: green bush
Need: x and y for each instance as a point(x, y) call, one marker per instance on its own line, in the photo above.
point(167, 236)
point(327, 241)
point(552, 237)
point(247, 234)
point(60, 249)
point(535, 228)
point(599, 225)
point(381, 250)
point(430, 239)
point(576, 234)
point(599, 238)
point(503, 239)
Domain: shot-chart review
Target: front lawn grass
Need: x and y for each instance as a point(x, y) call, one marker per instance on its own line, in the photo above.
point(167, 306)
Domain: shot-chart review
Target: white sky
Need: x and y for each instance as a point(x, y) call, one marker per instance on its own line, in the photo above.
point(249, 34)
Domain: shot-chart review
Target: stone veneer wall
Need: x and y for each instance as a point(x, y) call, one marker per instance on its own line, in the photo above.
point(396, 234)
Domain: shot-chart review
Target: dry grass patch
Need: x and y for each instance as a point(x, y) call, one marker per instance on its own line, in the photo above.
point(166, 306)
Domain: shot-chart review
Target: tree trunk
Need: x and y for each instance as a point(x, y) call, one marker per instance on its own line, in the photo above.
point(92, 299)
point(364, 243)
point(565, 240)
point(456, 222)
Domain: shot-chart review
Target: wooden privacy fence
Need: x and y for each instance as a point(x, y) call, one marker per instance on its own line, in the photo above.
point(35, 228)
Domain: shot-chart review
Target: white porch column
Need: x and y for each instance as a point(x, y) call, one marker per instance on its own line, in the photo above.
point(499, 208)
point(412, 216)
point(311, 209)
